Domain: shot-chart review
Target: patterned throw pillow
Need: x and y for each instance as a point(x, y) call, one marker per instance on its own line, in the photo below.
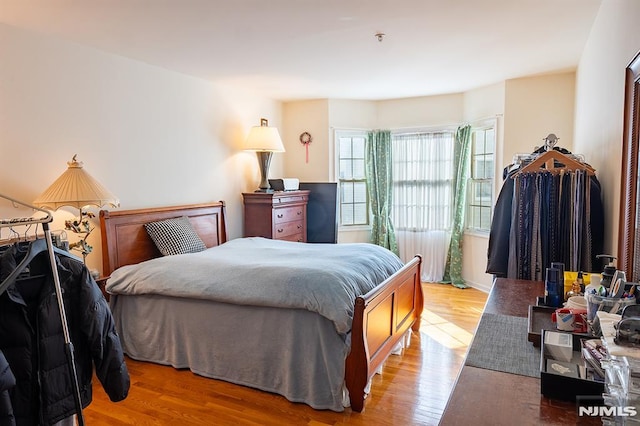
point(175, 236)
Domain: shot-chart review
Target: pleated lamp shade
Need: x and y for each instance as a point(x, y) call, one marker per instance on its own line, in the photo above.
point(75, 188)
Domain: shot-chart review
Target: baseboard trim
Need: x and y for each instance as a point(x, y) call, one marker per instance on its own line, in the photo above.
point(479, 286)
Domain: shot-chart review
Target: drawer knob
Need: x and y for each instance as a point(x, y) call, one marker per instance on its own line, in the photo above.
point(280, 216)
point(280, 230)
point(299, 226)
point(299, 212)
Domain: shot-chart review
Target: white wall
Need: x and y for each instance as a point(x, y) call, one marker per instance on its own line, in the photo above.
point(613, 42)
point(151, 136)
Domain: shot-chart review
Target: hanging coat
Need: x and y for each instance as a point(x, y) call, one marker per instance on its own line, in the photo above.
point(31, 337)
point(7, 382)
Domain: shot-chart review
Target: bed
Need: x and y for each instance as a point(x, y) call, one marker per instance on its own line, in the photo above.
point(295, 352)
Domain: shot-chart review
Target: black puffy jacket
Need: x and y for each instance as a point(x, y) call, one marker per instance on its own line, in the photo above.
point(7, 381)
point(31, 338)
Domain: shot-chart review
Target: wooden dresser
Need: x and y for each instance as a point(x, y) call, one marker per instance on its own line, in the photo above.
point(280, 215)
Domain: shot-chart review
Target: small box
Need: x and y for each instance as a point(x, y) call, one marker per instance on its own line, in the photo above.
point(285, 184)
point(558, 345)
point(567, 387)
point(539, 319)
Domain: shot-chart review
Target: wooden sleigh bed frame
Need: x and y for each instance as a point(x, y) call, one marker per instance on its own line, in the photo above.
point(381, 317)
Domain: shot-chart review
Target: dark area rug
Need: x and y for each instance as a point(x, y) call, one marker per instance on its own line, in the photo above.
point(501, 344)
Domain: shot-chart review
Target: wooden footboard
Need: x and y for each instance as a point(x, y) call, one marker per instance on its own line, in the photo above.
point(381, 319)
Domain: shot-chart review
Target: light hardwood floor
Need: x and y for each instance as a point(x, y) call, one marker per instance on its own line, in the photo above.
point(412, 390)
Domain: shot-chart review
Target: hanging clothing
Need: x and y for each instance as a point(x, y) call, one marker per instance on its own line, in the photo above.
point(7, 382)
point(546, 217)
point(31, 338)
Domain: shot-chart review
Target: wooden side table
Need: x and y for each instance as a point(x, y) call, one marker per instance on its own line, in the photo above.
point(279, 215)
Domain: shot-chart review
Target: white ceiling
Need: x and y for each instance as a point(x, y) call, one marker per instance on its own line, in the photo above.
point(305, 49)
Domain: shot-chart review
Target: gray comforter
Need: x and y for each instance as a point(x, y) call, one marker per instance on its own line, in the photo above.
point(322, 278)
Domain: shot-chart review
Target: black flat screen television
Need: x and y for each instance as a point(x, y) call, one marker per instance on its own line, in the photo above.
point(322, 209)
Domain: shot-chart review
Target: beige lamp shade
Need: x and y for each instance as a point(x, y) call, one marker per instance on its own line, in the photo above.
point(264, 138)
point(75, 188)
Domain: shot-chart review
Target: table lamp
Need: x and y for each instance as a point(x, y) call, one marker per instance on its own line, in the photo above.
point(77, 188)
point(264, 140)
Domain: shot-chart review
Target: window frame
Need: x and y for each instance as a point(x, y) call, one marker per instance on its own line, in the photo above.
point(352, 133)
point(473, 182)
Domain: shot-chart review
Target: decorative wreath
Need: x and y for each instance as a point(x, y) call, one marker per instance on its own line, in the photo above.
point(305, 138)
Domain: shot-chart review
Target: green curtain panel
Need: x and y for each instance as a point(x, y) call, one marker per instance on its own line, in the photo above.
point(378, 167)
point(462, 156)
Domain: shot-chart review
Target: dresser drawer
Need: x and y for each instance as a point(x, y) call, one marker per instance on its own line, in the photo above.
point(288, 228)
point(298, 238)
point(288, 214)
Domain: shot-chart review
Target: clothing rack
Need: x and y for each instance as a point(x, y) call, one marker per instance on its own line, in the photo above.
point(69, 352)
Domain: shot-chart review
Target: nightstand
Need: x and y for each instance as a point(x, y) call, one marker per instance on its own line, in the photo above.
point(102, 282)
point(279, 215)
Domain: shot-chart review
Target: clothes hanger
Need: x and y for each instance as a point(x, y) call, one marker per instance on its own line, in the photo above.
point(34, 248)
point(547, 160)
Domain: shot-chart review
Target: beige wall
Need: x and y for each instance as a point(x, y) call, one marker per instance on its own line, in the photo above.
point(613, 42)
point(423, 111)
point(153, 137)
point(535, 107)
point(306, 116)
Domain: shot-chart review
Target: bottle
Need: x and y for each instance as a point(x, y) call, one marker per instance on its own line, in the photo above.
point(553, 297)
point(561, 284)
point(609, 269)
point(593, 287)
point(580, 282)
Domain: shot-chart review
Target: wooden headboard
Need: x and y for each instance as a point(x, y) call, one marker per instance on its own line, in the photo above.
point(125, 241)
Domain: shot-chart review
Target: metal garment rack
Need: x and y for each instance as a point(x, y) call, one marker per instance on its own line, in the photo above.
point(69, 352)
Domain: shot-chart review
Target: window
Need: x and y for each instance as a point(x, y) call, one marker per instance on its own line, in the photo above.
point(480, 184)
point(352, 186)
point(422, 181)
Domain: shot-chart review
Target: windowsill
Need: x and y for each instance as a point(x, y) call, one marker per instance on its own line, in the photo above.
point(354, 228)
point(477, 233)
